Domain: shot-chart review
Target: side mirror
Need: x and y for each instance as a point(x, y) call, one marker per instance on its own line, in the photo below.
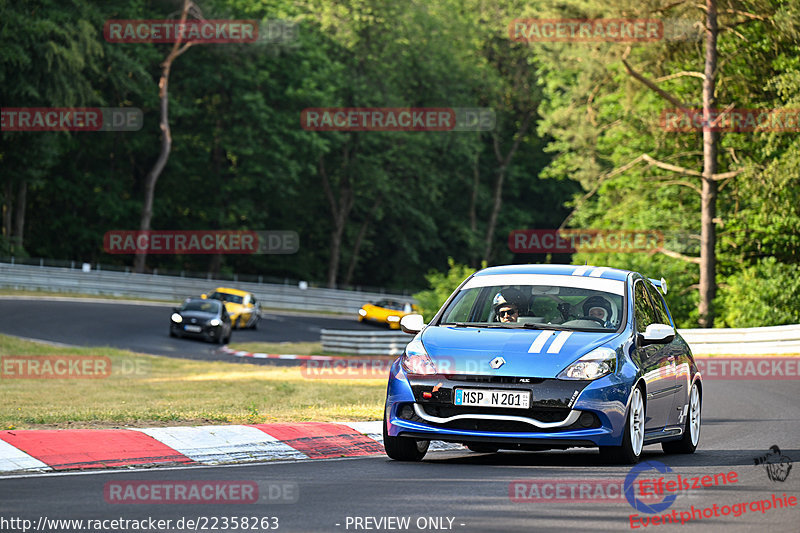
point(657, 334)
point(412, 323)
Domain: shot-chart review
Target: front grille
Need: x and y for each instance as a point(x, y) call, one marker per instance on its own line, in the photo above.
point(586, 421)
point(543, 415)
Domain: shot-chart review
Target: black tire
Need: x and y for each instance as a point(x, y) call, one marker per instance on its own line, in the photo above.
point(172, 333)
point(627, 453)
point(482, 448)
point(404, 448)
point(688, 442)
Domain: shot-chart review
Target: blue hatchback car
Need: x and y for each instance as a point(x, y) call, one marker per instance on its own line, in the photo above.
point(537, 357)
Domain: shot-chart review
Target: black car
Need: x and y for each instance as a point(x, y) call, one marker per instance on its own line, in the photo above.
point(198, 317)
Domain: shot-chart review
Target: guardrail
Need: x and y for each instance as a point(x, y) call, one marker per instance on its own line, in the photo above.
point(364, 342)
point(270, 295)
point(744, 341)
point(739, 341)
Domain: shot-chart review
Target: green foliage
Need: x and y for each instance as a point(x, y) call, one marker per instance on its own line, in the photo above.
point(764, 294)
point(402, 202)
point(442, 285)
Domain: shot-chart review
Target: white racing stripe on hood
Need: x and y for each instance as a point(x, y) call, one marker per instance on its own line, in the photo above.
point(559, 341)
point(538, 344)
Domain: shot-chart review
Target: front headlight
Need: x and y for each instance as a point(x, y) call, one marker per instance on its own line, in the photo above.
point(416, 360)
point(176, 318)
point(362, 312)
point(593, 365)
point(215, 322)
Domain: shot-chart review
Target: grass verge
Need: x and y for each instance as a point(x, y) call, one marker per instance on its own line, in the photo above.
point(147, 391)
point(297, 348)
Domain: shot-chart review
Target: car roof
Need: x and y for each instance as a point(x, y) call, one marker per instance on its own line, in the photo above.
point(236, 292)
point(207, 300)
point(558, 270)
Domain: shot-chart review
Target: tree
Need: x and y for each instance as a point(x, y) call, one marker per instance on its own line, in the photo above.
point(178, 48)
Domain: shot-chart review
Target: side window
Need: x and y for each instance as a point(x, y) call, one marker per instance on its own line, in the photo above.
point(662, 317)
point(643, 309)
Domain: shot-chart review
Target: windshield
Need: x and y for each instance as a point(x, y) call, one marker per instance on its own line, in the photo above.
point(537, 306)
point(391, 304)
point(201, 305)
point(225, 297)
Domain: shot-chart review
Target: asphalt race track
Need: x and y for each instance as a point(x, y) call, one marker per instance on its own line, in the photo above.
point(742, 420)
point(145, 327)
point(449, 491)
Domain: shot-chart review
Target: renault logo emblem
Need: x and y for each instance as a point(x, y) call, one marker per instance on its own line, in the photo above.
point(497, 362)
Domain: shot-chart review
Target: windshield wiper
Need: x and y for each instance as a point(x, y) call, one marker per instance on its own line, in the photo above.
point(549, 327)
point(479, 325)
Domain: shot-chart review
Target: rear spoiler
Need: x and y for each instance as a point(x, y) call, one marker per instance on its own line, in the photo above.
point(660, 283)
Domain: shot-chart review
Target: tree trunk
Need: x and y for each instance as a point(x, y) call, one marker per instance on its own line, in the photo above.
point(502, 168)
point(19, 215)
point(8, 194)
point(708, 237)
point(359, 239)
point(473, 206)
point(166, 139)
point(339, 212)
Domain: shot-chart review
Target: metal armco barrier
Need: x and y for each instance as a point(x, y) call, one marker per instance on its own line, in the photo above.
point(744, 341)
point(740, 341)
point(364, 342)
point(177, 288)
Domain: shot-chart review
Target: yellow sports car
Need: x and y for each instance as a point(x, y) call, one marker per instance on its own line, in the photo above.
point(241, 306)
point(386, 312)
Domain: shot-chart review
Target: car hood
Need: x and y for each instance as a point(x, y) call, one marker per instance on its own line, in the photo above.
point(232, 307)
point(533, 353)
point(198, 315)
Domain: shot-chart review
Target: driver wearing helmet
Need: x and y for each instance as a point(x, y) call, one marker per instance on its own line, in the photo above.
point(507, 305)
point(598, 307)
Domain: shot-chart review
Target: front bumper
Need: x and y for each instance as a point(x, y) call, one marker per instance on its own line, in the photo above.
point(206, 331)
point(562, 413)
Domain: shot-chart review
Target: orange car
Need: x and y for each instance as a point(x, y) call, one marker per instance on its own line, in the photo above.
point(386, 312)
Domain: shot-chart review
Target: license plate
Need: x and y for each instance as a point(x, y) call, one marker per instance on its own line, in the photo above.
point(493, 398)
point(193, 329)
